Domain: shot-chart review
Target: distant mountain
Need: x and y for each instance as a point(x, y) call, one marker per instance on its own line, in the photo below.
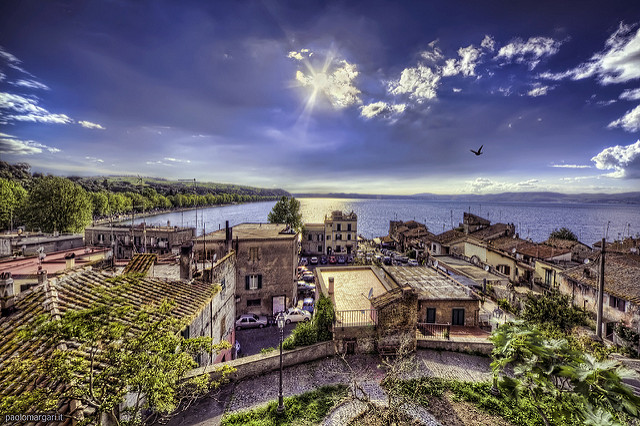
point(505, 197)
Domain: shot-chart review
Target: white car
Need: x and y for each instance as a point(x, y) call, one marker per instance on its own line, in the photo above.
point(314, 260)
point(296, 315)
point(412, 262)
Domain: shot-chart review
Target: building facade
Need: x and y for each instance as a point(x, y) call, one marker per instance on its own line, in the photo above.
point(267, 258)
point(129, 240)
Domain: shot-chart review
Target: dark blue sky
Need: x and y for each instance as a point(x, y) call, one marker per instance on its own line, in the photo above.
point(370, 97)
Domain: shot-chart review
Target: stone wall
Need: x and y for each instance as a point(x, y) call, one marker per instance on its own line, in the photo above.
point(457, 346)
point(355, 339)
point(255, 365)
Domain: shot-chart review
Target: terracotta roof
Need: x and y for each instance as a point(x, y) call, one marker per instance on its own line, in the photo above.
point(391, 296)
point(79, 291)
point(473, 219)
point(492, 232)
point(449, 236)
point(621, 275)
point(141, 263)
point(557, 242)
point(541, 251)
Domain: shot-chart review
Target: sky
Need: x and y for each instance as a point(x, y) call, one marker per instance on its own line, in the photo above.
point(376, 97)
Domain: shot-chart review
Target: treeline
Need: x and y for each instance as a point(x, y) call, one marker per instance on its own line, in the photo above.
point(52, 203)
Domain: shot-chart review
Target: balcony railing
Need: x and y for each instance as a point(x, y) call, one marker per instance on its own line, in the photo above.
point(356, 318)
point(433, 331)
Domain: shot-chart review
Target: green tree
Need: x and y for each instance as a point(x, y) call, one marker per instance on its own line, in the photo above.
point(100, 201)
point(118, 350)
point(323, 318)
point(553, 310)
point(12, 196)
point(563, 234)
point(287, 210)
point(56, 203)
point(570, 386)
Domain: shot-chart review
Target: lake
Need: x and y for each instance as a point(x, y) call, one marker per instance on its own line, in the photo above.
point(532, 220)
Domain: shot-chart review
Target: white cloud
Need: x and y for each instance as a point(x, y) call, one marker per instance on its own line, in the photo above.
point(336, 81)
point(419, 82)
point(433, 54)
point(570, 166)
point(457, 90)
point(619, 62)
point(13, 146)
point(159, 163)
point(528, 52)
point(623, 160)
point(629, 122)
point(27, 110)
point(94, 159)
point(630, 95)
point(527, 183)
point(382, 109)
point(539, 90)
point(480, 184)
point(90, 125)
point(30, 84)
point(488, 43)
point(176, 160)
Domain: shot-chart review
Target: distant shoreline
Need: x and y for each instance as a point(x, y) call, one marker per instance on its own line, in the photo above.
point(627, 198)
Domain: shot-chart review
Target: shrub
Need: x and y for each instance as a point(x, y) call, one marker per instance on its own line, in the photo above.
point(551, 310)
point(323, 319)
point(304, 334)
point(288, 343)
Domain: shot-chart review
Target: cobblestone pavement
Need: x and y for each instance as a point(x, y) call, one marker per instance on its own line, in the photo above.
point(363, 369)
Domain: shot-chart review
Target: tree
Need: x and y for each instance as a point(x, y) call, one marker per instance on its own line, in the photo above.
point(114, 350)
point(563, 234)
point(553, 310)
point(574, 387)
point(100, 201)
point(287, 210)
point(57, 204)
point(12, 195)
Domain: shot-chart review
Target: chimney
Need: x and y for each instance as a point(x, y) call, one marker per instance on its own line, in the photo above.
point(330, 285)
point(228, 239)
point(186, 255)
point(7, 295)
point(42, 276)
point(71, 261)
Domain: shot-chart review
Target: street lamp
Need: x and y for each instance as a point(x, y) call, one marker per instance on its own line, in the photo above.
point(280, 321)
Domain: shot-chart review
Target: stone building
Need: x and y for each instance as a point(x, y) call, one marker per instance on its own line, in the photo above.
point(267, 258)
point(129, 240)
point(621, 301)
point(338, 234)
point(440, 299)
point(33, 244)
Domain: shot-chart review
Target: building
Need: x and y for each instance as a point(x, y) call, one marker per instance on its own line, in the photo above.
point(207, 307)
point(33, 244)
point(129, 240)
point(409, 235)
point(267, 258)
point(621, 300)
point(26, 272)
point(441, 299)
point(467, 273)
point(338, 234)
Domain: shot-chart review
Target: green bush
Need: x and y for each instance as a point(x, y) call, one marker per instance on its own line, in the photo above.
point(267, 350)
point(288, 343)
point(553, 310)
point(304, 334)
point(323, 319)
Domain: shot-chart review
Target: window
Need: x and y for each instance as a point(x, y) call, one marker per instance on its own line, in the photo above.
point(431, 315)
point(548, 276)
point(254, 254)
point(348, 236)
point(320, 249)
point(223, 326)
point(185, 333)
point(617, 303)
point(348, 227)
point(328, 237)
point(223, 285)
point(101, 238)
point(253, 302)
point(457, 317)
point(339, 227)
point(253, 282)
point(310, 237)
point(338, 237)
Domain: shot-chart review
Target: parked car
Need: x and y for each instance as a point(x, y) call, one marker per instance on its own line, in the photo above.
point(332, 259)
point(308, 304)
point(412, 262)
point(314, 260)
point(304, 261)
point(296, 315)
point(308, 277)
point(349, 259)
point(251, 321)
point(341, 259)
point(323, 260)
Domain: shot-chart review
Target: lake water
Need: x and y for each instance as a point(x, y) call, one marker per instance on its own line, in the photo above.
point(532, 220)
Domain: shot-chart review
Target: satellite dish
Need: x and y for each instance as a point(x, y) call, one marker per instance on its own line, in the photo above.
point(586, 261)
point(513, 250)
point(435, 264)
point(370, 293)
point(486, 268)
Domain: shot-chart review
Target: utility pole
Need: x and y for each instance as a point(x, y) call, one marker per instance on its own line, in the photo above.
point(600, 293)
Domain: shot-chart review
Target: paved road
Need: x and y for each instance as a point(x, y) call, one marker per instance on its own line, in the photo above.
point(253, 339)
point(302, 378)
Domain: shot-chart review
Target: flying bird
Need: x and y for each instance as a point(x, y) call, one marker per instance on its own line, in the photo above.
point(478, 152)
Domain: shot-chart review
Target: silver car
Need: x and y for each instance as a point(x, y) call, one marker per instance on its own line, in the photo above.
point(251, 321)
